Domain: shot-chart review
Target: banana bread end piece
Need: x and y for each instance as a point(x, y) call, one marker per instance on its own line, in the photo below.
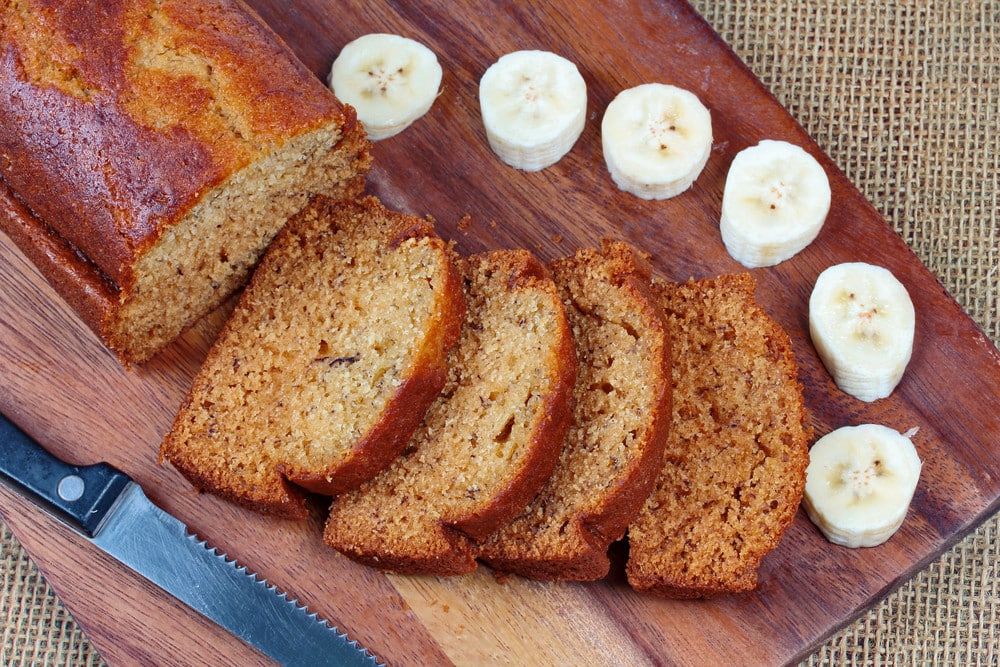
point(734, 468)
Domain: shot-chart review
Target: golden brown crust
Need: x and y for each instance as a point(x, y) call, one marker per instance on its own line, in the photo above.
point(566, 530)
point(79, 282)
point(283, 500)
point(387, 438)
point(734, 468)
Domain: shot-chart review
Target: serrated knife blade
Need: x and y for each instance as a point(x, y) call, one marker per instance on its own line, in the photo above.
point(113, 512)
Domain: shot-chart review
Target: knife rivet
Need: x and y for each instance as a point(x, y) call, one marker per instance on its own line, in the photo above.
point(70, 488)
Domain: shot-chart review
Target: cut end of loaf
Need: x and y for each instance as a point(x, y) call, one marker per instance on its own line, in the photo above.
point(194, 266)
point(155, 149)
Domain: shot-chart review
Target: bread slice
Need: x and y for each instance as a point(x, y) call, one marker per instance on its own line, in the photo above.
point(487, 444)
point(327, 365)
point(149, 152)
point(614, 448)
point(734, 469)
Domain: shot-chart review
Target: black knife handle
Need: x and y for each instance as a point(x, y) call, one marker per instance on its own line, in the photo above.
point(82, 496)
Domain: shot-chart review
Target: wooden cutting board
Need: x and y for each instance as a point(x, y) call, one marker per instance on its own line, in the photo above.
point(60, 385)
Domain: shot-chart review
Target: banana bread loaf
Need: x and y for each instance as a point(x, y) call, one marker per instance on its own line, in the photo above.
point(487, 444)
point(151, 149)
point(327, 365)
point(621, 413)
point(737, 451)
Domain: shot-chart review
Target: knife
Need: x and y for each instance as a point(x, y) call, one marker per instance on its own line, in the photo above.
point(111, 510)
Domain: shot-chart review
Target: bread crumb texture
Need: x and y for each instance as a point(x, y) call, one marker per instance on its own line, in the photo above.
point(734, 468)
point(328, 362)
point(615, 445)
point(488, 442)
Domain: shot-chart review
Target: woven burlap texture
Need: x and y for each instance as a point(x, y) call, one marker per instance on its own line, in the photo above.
point(904, 97)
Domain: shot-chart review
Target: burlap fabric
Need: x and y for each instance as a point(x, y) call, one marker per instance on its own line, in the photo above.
point(904, 95)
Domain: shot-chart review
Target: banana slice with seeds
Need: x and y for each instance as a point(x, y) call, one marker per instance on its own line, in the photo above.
point(390, 80)
point(774, 204)
point(534, 107)
point(656, 140)
point(859, 484)
point(862, 322)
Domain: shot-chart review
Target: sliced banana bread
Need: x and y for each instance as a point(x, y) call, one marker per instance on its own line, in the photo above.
point(614, 448)
point(487, 444)
point(327, 365)
point(734, 468)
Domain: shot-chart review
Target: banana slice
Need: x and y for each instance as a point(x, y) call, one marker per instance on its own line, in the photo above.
point(390, 80)
point(859, 484)
point(656, 140)
point(861, 321)
point(774, 203)
point(534, 105)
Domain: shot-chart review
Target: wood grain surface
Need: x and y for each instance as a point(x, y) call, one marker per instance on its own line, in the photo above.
point(64, 388)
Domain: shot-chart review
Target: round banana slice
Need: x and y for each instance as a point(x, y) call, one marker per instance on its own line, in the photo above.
point(859, 484)
point(775, 201)
point(656, 140)
point(862, 322)
point(390, 80)
point(534, 105)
